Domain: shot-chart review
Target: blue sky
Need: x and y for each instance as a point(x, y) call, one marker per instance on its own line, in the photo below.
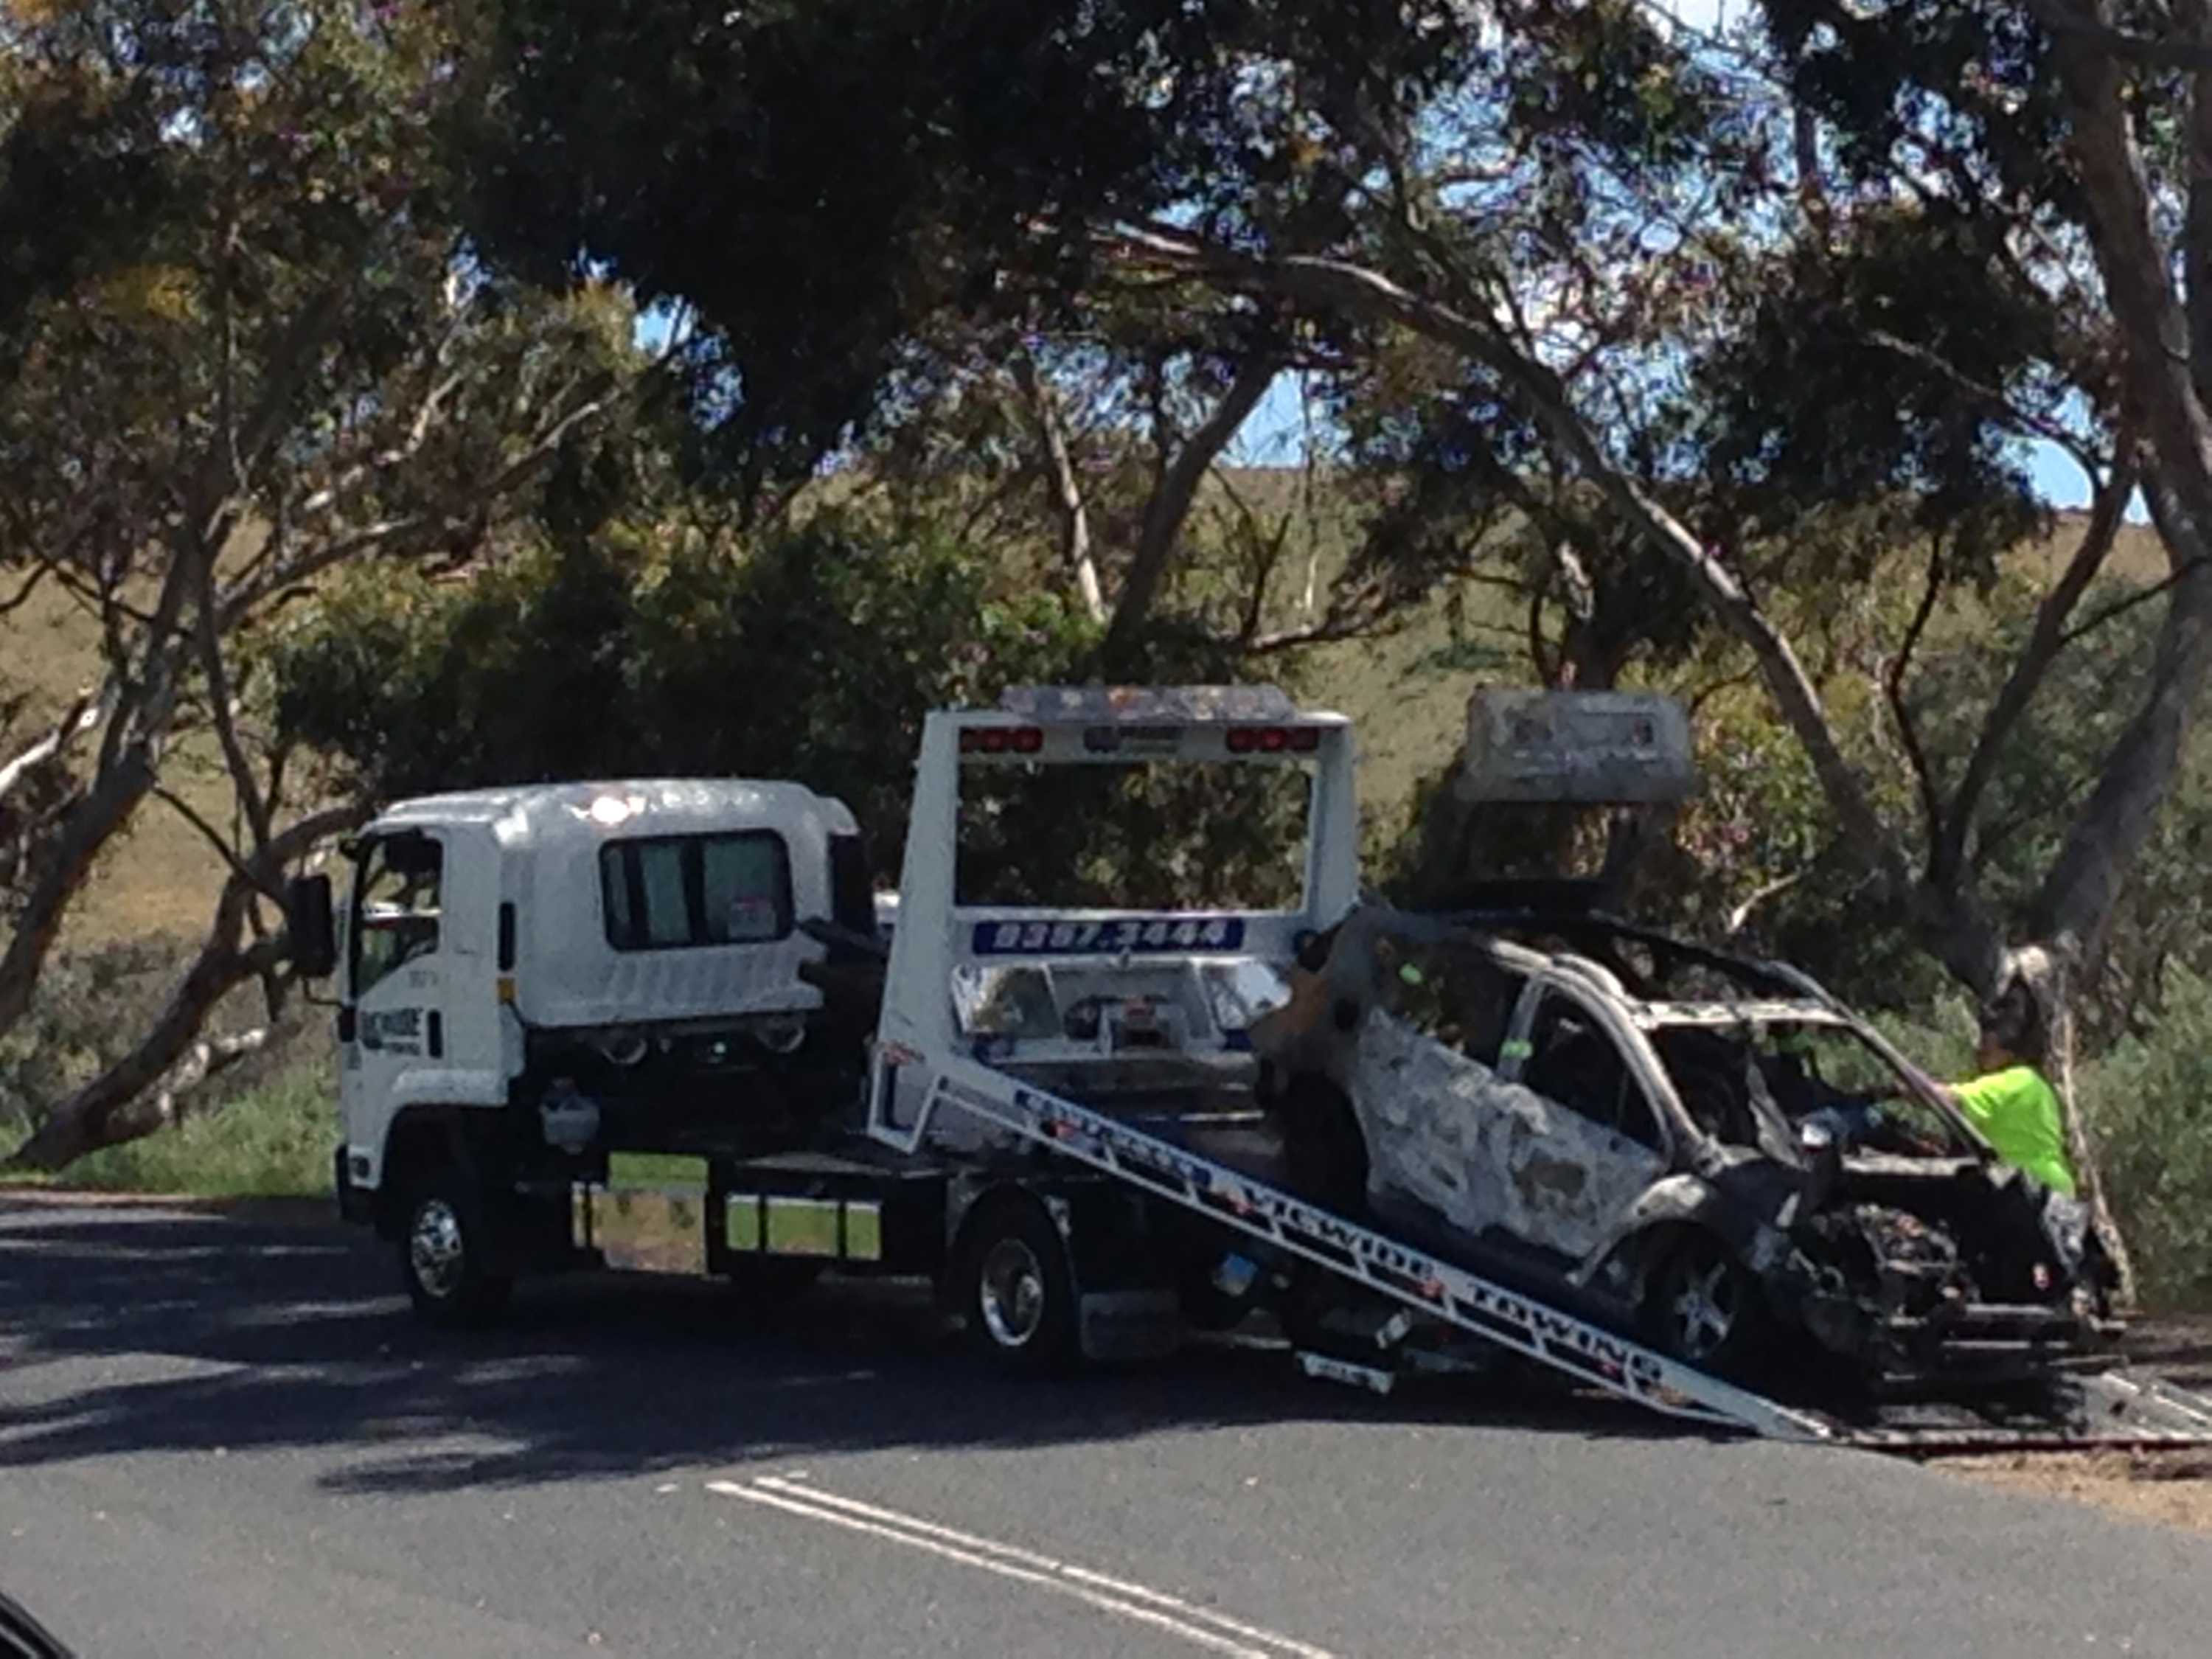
point(1274, 435)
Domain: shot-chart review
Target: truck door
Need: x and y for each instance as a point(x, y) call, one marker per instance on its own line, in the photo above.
point(392, 1020)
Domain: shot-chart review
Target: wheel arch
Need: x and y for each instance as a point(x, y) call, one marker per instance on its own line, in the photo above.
point(1662, 1214)
point(989, 1198)
point(418, 1139)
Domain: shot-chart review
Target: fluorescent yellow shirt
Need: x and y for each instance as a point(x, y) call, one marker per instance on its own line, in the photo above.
point(2018, 1115)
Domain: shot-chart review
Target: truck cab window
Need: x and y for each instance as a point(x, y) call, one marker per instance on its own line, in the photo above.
point(397, 915)
point(674, 891)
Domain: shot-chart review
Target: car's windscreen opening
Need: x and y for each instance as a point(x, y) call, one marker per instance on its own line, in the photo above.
point(1144, 836)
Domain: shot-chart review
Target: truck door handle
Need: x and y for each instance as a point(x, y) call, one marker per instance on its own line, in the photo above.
point(437, 1034)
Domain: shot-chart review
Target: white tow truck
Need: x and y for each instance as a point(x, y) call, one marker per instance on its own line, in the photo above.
point(650, 1025)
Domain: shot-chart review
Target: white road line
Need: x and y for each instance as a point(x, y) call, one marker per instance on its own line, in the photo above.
point(1200, 1625)
point(1203, 1638)
point(1047, 1564)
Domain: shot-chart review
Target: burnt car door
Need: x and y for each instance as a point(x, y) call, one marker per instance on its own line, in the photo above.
point(1582, 1138)
point(1456, 1128)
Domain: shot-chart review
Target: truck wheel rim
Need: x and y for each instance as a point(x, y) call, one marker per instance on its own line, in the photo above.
point(1010, 1294)
point(436, 1249)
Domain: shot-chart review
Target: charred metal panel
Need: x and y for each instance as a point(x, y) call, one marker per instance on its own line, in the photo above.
point(1483, 1153)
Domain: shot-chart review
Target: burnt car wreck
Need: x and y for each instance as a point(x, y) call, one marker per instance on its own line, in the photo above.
point(1675, 1142)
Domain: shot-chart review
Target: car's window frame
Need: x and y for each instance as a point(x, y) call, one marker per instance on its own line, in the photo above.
point(1518, 1051)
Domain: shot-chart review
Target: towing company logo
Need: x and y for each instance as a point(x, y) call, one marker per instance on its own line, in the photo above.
point(1504, 1315)
point(392, 1030)
point(1069, 1126)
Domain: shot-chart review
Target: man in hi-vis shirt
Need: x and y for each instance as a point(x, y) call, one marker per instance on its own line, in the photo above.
point(2009, 1101)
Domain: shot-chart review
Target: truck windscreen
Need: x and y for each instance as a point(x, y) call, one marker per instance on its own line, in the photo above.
point(1158, 834)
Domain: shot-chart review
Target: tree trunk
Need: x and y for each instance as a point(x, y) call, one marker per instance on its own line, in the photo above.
point(97, 1114)
point(2082, 1145)
point(1059, 467)
point(60, 868)
point(2078, 894)
point(1171, 504)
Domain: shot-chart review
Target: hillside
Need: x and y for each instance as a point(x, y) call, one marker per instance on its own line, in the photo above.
point(1398, 687)
point(160, 876)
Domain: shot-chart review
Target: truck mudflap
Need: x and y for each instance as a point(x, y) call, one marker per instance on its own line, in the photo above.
point(2108, 1409)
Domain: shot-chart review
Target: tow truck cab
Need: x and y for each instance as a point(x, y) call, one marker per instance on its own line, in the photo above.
point(538, 978)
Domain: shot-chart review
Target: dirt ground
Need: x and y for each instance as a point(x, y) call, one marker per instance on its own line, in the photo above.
point(2174, 1487)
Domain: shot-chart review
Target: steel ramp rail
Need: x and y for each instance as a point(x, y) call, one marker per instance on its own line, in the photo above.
point(1587, 1353)
point(2108, 1410)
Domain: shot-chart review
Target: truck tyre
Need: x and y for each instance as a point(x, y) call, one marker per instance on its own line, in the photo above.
point(1016, 1290)
point(442, 1255)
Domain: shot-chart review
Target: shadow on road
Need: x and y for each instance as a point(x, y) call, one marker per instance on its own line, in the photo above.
point(248, 1335)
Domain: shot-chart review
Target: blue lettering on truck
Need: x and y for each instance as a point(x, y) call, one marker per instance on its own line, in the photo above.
point(1106, 936)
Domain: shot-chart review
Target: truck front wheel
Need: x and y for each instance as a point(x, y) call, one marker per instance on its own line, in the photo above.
point(443, 1251)
point(1016, 1291)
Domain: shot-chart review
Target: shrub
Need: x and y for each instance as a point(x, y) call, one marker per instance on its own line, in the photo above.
point(91, 1006)
point(2146, 1099)
point(273, 1139)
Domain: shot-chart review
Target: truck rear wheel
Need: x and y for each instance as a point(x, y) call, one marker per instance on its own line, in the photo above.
point(1016, 1289)
point(443, 1251)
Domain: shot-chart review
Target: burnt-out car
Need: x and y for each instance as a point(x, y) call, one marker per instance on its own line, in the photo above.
point(1708, 1152)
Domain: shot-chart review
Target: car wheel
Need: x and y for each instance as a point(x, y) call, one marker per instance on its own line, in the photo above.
point(1017, 1291)
point(443, 1254)
point(1704, 1305)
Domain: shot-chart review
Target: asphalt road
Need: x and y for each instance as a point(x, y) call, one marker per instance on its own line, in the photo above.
point(223, 1438)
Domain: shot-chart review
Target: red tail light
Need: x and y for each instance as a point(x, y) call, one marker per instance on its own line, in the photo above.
point(1001, 739)
point(1273, 739)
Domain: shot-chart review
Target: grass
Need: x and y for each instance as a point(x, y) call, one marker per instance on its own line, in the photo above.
point(272, 1141)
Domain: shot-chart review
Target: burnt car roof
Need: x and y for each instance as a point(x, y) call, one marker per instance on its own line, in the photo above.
point(1597, 935)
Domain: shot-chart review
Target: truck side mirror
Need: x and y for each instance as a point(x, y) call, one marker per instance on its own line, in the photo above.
point(308, 916)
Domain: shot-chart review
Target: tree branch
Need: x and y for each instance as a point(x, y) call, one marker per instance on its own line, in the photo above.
point(2045, 639)
point(2142, 596)
point(1171, 498)
point(22, 595)
point(83, 715)
point(213, 836)
point(1057, 463)
point(1892, 685)
point(2145, 49)
point(1338, 285)
point(97, 1115)
point(246, 786)
point(2026, 421)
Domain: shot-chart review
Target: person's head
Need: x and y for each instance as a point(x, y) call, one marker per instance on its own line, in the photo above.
point(2012, 1029)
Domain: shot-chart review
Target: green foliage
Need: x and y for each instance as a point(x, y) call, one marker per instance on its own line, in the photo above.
point(2146, 1103)
point(92, 1005)
point(653, 652)
point(1804, 411)
point(270, 1139)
